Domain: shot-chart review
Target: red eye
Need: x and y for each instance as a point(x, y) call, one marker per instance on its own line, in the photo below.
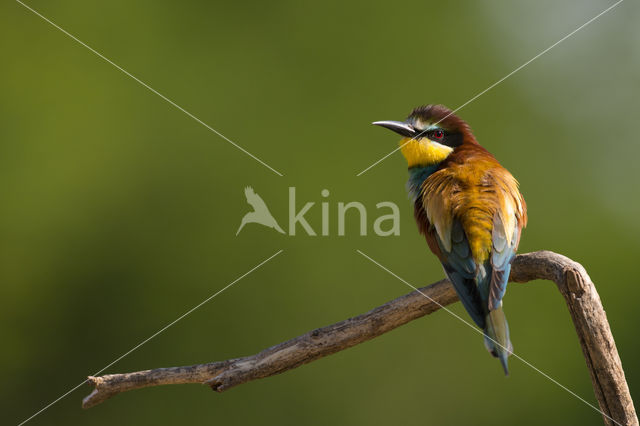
point(438, 134)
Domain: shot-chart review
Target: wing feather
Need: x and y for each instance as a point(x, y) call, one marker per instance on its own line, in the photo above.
point(461, 269)
point(254, 200)
point(502, 254)
point(438, 203)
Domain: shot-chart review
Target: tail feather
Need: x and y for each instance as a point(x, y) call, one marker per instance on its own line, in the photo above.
point(277, 227)
point(496, 337)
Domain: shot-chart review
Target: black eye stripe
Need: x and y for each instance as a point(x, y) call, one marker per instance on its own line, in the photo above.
point(437, 134)
point(449, 139)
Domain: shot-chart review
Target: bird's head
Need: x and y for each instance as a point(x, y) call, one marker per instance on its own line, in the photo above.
point(430, 134)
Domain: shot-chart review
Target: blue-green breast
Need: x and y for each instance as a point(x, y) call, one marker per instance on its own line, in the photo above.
point(417, 176)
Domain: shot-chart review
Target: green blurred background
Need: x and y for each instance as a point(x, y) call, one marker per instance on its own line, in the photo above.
point(119, 212)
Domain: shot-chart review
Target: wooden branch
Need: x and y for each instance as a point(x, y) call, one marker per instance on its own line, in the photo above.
point(584, 304)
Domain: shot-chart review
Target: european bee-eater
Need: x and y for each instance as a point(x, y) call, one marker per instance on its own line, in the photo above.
point(469, 209)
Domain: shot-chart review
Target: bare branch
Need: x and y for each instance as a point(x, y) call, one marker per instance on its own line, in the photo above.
point(572, 280)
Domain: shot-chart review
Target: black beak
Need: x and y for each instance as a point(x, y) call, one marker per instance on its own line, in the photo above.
point(400, 127)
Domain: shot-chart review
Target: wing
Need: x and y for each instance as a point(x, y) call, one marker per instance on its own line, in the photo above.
point(508, 222)
point(439, 198)
point(462, 271)
point(480, 287)
point(447, 239)
point(503, 251)
point(254, 199)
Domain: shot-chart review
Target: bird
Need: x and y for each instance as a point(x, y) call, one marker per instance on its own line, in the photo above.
point(260, 213)
point(470, 210)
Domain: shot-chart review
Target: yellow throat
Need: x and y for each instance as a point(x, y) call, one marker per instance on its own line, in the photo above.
point(423, 152)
